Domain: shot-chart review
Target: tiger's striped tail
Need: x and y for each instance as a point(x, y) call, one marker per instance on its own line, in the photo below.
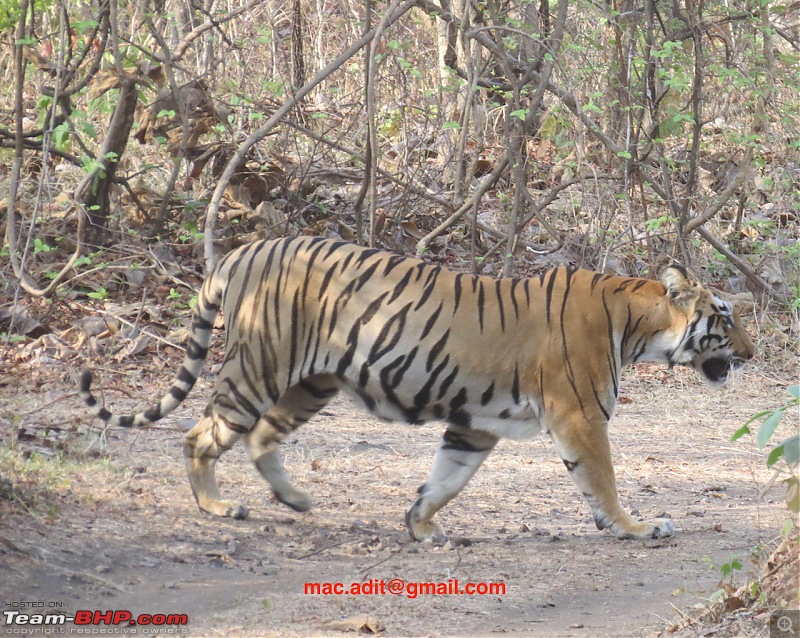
point(205, 312)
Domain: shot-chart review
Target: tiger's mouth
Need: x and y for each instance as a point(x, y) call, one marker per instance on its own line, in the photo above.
point(716, 369)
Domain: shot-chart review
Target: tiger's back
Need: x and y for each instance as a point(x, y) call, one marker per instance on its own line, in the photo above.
point(415, 342)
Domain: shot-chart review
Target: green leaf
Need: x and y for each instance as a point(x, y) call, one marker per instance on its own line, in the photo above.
point(100, 294)
point(794, 390)
point(448, 125)
point(775, 456)
point(791, 450)
point(740, 433)
point(82, 26)
point(768, 428)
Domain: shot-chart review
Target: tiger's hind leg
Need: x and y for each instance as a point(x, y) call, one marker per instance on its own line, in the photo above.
point(460, 454)
point(203, 445)
point(296, 406)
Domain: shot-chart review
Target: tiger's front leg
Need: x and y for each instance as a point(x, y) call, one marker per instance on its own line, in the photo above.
point(586, 452)
point(460, 454)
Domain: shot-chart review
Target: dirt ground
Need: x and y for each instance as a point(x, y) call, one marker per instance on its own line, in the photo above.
point(121, 531)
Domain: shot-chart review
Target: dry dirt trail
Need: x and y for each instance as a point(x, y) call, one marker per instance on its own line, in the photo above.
point(123, 532)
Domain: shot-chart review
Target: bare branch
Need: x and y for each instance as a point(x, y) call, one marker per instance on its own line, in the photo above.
point(264, 130)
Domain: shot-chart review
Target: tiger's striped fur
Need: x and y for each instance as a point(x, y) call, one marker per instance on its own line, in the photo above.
point(415, 342)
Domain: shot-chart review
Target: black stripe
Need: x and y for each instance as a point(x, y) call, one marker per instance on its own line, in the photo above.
point(364, 277)
point(429, 287)
point(240, 399)
point(269, 365)
point(460, 400)
point(396, 324)
point(194, 350)
point(326, 280)
point(369, 402)
point(411, 415)
point(318, 338)
point(295, 328)
point(567, 361)
point(344, 264)
point(245, 279)
point(436, 350)
point(401, 371)
point(613, 365)
point(85, 381)
point(179, 394)
point(431, 321)
point(185, 376)
point(363, 376)
point(400, 287)
point(392, 263)
point(480, 304)
point(334, 246)
point(514, 284)
point(599, 402)
point(200, 323)
point(309, 266)
point(487, 394)
point(497, 284)
point(153, 414)
point(366, 253)
point(446, 383)
point(251, 374)
point(515, 385)
point(317, 392)
point(549, 296)
point(460, 441)
point(422, 397)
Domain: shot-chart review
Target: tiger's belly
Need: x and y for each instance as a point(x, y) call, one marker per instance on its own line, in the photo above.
point(504, 419)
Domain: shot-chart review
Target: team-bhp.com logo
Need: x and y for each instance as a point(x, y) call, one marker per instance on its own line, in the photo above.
point(88, 617)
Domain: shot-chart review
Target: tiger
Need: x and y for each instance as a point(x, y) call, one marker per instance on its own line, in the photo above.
point(412, 341)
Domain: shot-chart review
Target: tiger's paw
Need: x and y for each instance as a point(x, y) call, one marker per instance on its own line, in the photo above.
point(424, 530)
point(653, 528)
point(226, 509)
point(298, 500)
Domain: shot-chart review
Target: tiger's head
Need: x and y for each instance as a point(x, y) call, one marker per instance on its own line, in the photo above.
point(714, 341)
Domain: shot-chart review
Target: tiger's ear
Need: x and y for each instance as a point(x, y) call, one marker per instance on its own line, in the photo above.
point(682, 291)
